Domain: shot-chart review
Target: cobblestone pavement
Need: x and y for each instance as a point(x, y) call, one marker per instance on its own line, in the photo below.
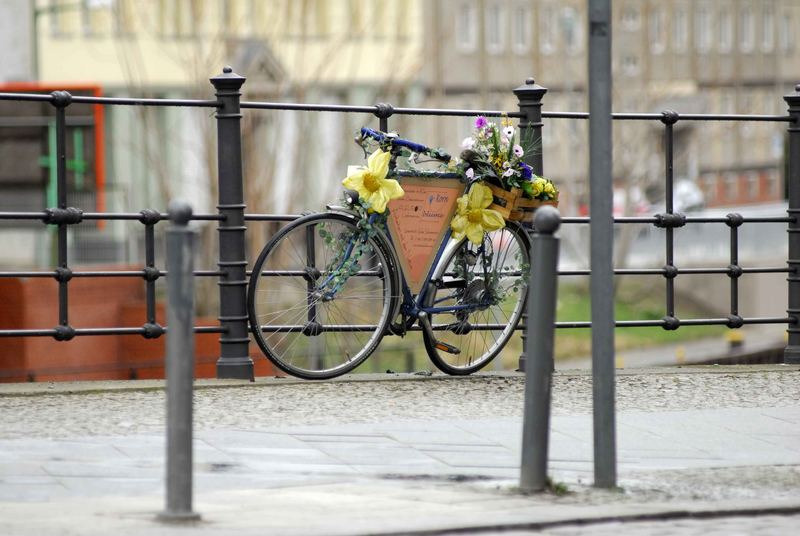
point(269, 404)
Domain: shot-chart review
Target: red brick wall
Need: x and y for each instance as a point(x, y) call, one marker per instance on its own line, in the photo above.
point(30, 303)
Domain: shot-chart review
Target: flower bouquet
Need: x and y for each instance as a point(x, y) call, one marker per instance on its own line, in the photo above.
point(493, 154)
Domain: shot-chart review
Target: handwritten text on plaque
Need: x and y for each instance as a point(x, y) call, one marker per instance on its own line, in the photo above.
point(419, 220)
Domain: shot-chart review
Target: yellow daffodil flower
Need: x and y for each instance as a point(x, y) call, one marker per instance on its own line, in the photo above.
point(371, 182)
point(473, 218)
point(538, 186)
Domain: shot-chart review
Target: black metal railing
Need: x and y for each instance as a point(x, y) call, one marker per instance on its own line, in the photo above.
point(232, 273)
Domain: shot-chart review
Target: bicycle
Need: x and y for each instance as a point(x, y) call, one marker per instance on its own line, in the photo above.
point(329, 286)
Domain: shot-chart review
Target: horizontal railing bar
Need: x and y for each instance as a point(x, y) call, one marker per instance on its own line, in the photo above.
point(86, 99)
point(128, 101)
point(110, 273)
point(304, 274)
point(689, 219)
point(22, 215)
point(683, 322)
point(290, 217)
point(368, 327)
point(26, 97)
point(105, 216)
point(745, 219)
point(271, 217)
point(79, 332)
point(686, 271)
point(137, 216)
point(626, 116)
point(299, 273)
point(305, 107)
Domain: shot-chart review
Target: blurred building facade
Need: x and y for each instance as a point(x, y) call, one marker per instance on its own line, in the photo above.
point(693, 56)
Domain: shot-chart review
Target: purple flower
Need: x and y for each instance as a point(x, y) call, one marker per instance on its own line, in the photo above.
point(480, 122)
point(518, 151)
point(527, 171)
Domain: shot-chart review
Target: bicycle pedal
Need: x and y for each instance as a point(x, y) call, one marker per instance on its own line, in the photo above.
point(444, 347)
point(426, 327)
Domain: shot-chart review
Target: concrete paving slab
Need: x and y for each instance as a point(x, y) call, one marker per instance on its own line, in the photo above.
point(713, 441)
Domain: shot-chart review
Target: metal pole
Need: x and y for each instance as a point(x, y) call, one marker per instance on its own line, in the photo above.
point(602, 243)
point(791, 354)
point(529, 98)
point(234, 360)
point(538, 375)
point(180, 365)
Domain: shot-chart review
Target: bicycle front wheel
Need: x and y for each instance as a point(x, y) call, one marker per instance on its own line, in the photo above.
point(320, 296)
point(486, 288)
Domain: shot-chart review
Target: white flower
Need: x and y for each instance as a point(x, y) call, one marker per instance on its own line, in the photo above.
point(508, 172)
point(508, 131)
point(468, 143)
point(518, 151)
point(470, 173)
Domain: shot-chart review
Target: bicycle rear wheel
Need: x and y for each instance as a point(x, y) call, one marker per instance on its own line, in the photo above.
point(307, 322)
point(493, 308)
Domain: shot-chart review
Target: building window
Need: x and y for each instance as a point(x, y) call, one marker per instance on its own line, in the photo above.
point(658, 30)
point(786, 33)
point(630, 65)
point(467, 27)
point(570, 27)
point(92, 14)
point(495, 28)
point(731, 186)
point(547, 25)
point(747, 30)
point(710, 188)
point(725, 31)
point(521, 29)
point(703, 30)
point(753, 186)
point(774, 185)
point(630, 17)
point(680, 30)
point(123, 18)
point(767, 27)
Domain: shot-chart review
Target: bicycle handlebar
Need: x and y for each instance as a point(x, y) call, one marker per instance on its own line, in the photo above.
point(380, 137)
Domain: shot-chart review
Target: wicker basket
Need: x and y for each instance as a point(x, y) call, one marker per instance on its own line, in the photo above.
point(512, 206)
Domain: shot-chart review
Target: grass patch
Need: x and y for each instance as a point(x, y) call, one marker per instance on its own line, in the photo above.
point(637, 298)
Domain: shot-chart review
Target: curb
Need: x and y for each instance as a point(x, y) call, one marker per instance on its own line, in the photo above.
point(666, 515)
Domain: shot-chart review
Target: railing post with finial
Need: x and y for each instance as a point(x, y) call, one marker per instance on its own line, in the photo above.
point(791, 354)
point(234, 361)
point(529, 96)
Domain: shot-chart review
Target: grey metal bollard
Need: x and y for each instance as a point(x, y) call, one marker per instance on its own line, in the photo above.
point(180, 365)
point(542, 289)
point(601, 229)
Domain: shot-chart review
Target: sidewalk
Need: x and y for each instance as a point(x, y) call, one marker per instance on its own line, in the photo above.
point(409, 454)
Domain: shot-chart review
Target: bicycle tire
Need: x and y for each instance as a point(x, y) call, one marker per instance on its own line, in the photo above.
point(315, 338)
point(478, 347)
